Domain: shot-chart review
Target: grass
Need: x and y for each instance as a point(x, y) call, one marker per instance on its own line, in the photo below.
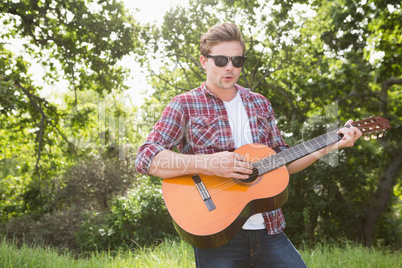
point(351, 255)
point(169, 254)
point(179, 254)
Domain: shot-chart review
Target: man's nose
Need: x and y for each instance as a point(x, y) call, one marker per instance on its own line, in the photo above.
point(229, 66)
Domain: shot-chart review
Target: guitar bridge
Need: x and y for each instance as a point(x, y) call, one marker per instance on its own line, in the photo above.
point(203, 192)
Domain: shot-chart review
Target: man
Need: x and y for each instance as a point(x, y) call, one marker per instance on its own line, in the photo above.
point(206, 125)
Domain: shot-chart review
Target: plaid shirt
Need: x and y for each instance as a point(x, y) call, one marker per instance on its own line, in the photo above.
point(196, 122)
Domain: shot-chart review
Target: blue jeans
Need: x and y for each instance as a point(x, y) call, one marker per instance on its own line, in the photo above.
point(251, 249)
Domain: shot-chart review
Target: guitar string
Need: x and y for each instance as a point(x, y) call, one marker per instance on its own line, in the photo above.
point(287, 157)
point(230, 182)
point(298, 151)
point(222, 185)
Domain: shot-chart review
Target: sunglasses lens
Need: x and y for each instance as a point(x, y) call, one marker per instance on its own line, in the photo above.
point(238, 61)
point(221, 61)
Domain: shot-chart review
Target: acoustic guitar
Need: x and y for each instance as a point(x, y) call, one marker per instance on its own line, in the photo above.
point(207, 211)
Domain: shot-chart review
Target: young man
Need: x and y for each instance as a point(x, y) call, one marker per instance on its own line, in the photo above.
point(206, 125)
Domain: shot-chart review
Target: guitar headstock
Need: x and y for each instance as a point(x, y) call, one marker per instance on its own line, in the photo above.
point(373, 126)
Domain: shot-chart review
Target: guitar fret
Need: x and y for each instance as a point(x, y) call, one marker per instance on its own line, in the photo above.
point(282, 158)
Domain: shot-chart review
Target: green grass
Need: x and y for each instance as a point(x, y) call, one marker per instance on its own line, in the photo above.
point(168, 254)
point(179, 254)
point(351, 255)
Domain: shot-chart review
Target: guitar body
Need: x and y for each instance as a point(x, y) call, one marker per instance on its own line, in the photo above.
point(211, 223)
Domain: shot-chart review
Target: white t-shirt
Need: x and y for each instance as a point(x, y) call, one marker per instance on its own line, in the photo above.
point(241, 132)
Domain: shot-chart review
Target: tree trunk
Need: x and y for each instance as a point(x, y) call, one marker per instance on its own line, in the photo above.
point(381, 197)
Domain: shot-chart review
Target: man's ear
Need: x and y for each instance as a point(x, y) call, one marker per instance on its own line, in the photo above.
point(204, 62)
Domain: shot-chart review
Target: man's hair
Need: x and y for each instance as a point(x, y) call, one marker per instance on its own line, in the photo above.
point(220, 33)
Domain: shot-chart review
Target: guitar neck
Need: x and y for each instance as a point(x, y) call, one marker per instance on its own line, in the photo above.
point(287, 156)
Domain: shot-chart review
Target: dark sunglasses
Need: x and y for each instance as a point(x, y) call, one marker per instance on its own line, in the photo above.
point(222, 61)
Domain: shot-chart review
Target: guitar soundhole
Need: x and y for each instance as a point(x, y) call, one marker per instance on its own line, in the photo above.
point(253, 176)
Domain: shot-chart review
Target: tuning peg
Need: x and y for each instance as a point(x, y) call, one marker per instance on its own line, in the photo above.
point(381, 135)
point(374, 137)
point(366, 138)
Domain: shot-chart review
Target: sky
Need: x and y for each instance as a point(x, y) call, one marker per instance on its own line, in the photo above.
point(152, 10)
point(148, 11)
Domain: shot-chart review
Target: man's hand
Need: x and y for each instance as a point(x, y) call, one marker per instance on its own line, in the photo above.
point(350, 135)
point(227, 165)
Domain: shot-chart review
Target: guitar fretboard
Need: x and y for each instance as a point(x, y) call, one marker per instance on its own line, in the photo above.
point(282, 158)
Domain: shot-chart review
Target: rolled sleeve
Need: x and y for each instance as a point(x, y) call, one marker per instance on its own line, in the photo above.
point(145, 155)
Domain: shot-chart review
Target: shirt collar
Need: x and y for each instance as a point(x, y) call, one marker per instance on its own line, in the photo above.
point(241, 90)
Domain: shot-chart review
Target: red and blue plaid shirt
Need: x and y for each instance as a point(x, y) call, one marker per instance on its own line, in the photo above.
point(196, 122)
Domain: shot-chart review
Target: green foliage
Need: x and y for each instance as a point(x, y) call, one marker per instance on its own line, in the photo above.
point(80, 42)
point(93, 234)
point(139, 218)
point(93, 183)
point(83, 195)
point(86, 38)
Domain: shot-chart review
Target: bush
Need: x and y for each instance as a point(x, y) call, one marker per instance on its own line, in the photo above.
point(141, 216)
point(91, 209)
point(138, 219)
point(54, 213)
point(93, 183)
point(91, 236)
point(56, 229)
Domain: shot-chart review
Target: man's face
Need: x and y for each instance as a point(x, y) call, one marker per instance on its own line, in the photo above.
point(222, 78)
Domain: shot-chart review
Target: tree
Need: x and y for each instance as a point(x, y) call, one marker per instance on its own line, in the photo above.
point(80, 42)
point(356, 27)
